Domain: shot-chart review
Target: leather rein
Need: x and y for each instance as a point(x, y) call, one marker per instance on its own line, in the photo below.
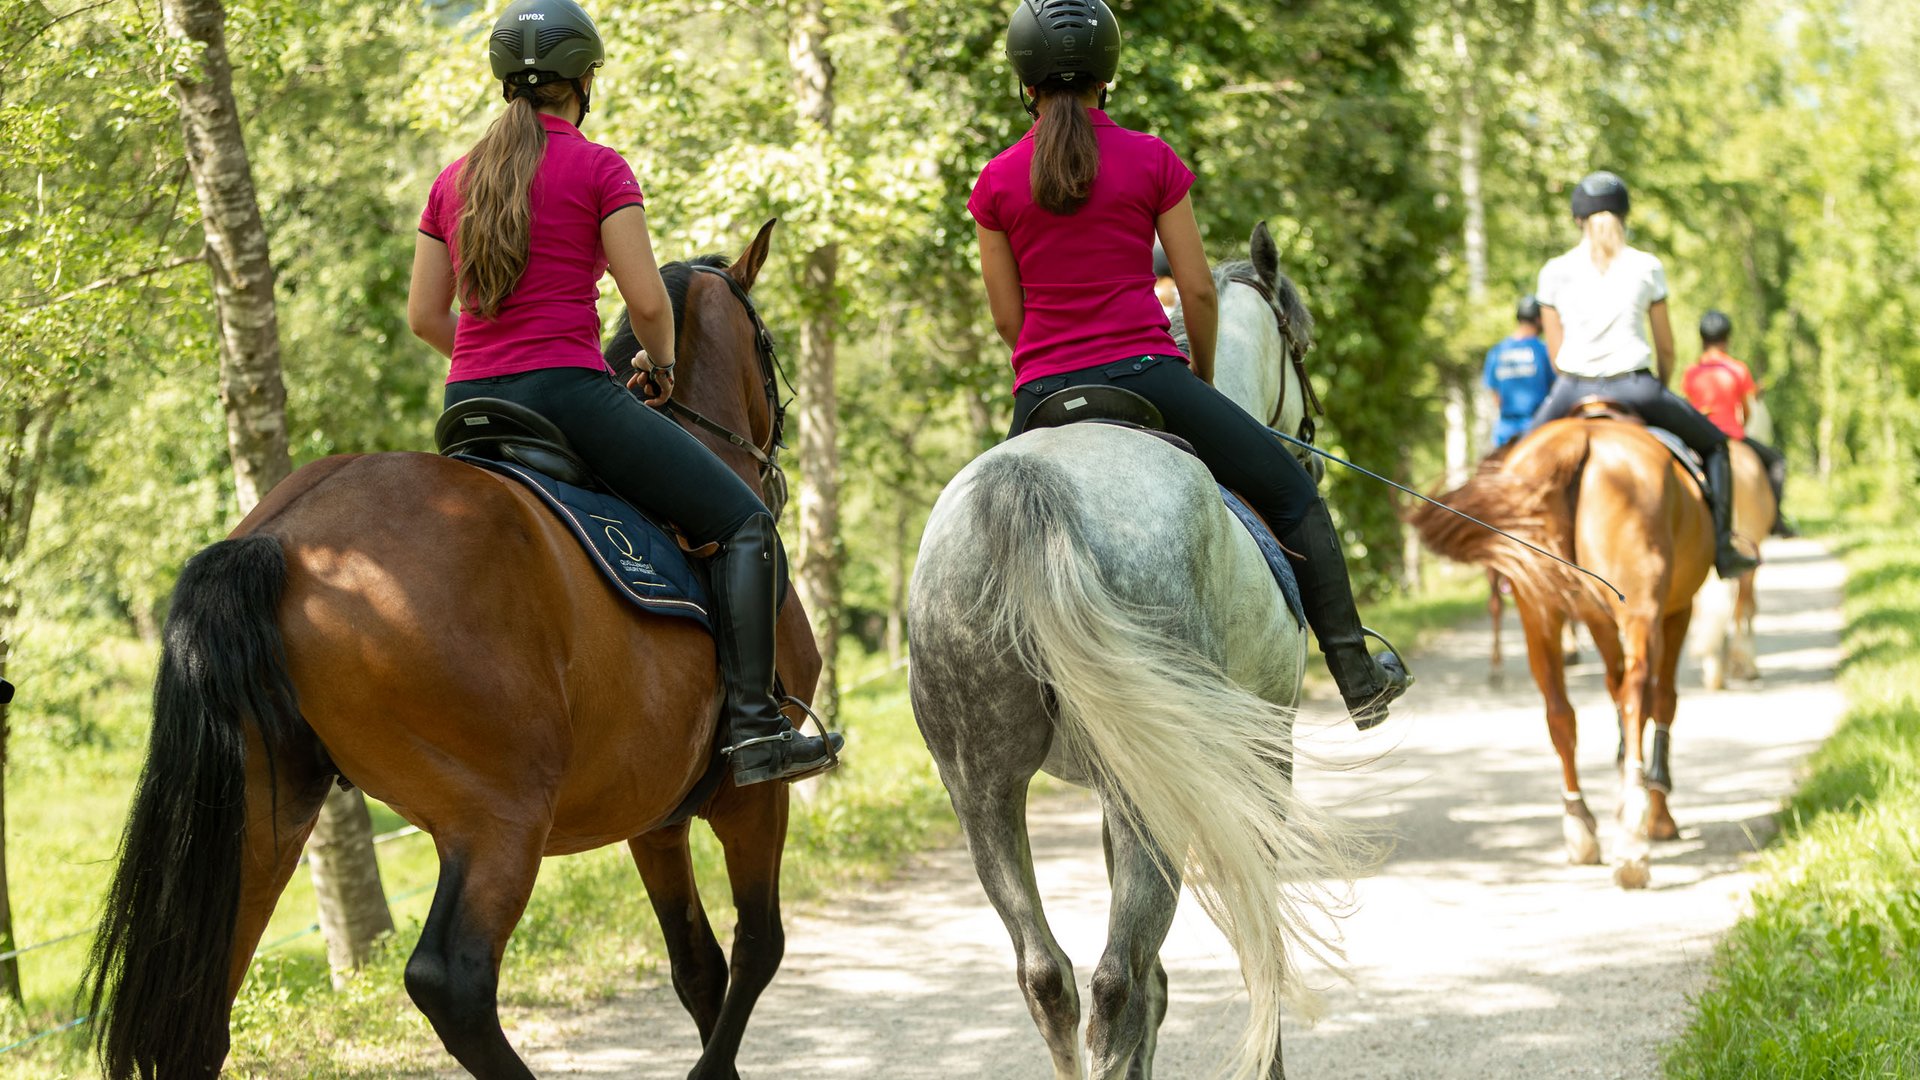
point(773, 481)
point(1295, 356)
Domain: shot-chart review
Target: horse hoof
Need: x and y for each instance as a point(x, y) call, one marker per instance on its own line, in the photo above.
point(1583, 849)
point(1662, 829)
point(1632, 874)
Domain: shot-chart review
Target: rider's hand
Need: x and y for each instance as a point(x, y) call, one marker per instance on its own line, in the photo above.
point(654, 383)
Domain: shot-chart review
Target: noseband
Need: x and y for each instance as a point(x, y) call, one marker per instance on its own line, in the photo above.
point(773, 481)
point(1296, 356)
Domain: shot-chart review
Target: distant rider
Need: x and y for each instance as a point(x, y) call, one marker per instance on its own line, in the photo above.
point(1723, 388)
point(1519, 373)
point(1067, 219)
point(1597, 303)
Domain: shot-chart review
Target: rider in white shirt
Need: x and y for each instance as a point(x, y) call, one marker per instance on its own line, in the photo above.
point(1598, 302)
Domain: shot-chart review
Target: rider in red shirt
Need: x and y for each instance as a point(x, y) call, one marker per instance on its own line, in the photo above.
point(1723, 389)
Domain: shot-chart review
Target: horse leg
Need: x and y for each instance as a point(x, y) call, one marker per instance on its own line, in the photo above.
point(1548, 665)
point(995, 822)
point(1743, 660)
point(1494, 611)
point(693, 954)
point(1643, 644)
point(275, 837)
point(486, 877)
point(752, 826)
point(1129, 1001)
point(1659, 824)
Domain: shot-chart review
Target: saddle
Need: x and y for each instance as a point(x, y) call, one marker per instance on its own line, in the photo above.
point(495, 429)
point(1116, 407)
point(1598, 407)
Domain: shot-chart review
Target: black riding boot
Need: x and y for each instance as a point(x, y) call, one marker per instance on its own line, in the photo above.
point(1367, 683)
point(1728, 560)
point(761, 743)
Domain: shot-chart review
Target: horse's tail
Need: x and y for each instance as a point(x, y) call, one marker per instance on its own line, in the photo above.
point(1531, 493)
point(1199, 764)
point(157, 976)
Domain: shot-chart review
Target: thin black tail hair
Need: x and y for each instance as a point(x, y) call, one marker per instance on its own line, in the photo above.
point(156, 980)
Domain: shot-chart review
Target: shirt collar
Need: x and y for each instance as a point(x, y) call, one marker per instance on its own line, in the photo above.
point(557, 126)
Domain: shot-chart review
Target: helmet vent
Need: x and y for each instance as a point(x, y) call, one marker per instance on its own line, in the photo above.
point(1065, 14)
point(508, 38)
point(554, 35)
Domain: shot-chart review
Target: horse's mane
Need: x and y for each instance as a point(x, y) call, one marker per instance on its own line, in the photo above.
point(623, 346)
point(1286, 294)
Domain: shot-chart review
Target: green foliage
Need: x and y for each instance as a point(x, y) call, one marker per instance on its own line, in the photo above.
point(1823, 978)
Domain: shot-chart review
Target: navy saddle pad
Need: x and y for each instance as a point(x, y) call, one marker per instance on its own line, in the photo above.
point(636, 556)
point(1270, 547)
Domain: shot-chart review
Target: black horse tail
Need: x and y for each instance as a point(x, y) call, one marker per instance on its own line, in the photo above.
point(157, 977)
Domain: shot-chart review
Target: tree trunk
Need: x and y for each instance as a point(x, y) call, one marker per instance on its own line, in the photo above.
point(255, 398)
point(818, 566)
point(23, 457)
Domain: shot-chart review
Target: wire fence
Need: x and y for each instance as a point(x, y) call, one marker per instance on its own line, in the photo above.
point(313, 928)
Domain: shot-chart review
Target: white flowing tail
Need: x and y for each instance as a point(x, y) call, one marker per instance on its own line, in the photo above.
point(1196, 761)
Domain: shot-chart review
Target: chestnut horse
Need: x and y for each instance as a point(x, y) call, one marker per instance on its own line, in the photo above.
point(1607, 495)
point(430, 633)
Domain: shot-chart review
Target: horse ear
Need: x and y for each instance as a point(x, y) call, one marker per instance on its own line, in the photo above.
point(1266, 255)
point(746, 268)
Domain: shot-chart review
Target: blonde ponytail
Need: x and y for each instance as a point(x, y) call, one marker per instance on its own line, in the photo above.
point(1606, 237)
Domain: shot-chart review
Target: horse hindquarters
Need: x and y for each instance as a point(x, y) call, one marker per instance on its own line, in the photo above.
point(1196, 764)
point(222, 808)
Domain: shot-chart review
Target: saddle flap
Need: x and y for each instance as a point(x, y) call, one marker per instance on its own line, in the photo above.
point(500, 430)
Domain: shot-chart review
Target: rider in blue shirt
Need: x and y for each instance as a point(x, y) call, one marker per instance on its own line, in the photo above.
point(1519, 373)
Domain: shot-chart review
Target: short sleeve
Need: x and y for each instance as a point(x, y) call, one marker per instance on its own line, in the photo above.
point(981, 203)
point(433, 219)
point(614, 185)
point(1656, 281)
point(1175, 180)
point(1547, 289)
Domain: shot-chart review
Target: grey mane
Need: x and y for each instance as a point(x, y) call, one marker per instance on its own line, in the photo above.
point(1286, 298)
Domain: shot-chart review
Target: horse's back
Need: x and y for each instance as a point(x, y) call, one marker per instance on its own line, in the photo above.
point(446, 633)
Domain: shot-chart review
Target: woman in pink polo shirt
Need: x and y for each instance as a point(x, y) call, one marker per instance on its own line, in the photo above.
point(520, 230)
point(1067, 219)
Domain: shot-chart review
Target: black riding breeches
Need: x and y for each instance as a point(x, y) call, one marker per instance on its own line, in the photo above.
point(1237, 449)
point(646, 459)
point(1642, 392)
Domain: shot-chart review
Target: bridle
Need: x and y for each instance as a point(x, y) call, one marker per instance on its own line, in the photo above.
point(773, 481)
point(1296, 357)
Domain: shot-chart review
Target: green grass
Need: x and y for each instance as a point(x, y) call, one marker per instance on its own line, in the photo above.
point(1822, 980)
point(588, 932)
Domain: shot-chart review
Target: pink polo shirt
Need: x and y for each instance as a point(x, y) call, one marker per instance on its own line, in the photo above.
point(551, 319)
point(1087, 276)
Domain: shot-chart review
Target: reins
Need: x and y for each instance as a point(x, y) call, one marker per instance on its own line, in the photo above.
point(772, 375)
point(1295, 356)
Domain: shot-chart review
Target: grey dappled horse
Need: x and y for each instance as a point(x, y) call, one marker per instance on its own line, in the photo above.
point(1084, 604)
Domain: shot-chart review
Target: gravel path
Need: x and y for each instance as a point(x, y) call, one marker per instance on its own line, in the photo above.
point(1476, 952)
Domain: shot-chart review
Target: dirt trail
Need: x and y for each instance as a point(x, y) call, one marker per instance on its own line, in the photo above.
point(1476, 952)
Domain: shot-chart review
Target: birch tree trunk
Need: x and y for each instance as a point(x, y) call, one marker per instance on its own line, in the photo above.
point(818, 566)
point(353, 906)
point(23, 457)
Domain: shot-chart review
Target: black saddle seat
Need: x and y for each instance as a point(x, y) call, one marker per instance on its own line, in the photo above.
point(1097, 404)
point(499, 430)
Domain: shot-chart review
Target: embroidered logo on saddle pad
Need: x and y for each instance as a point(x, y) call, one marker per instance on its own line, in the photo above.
point(632, 553)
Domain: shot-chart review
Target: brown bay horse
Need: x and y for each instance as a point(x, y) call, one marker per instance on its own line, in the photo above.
point(1607, 495)
point(430, 632)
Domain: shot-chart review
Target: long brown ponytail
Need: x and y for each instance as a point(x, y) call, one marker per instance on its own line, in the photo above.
point(1066, 153)
point(496, 185)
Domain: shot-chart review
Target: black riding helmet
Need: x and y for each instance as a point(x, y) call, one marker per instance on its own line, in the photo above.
point(1600, 191)
point(1715, 328)
point(539, 41)
point(1528, 309)
point(1069, 40)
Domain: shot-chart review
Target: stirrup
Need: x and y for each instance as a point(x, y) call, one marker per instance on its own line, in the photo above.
point(826, 736)
point(1373, 713)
